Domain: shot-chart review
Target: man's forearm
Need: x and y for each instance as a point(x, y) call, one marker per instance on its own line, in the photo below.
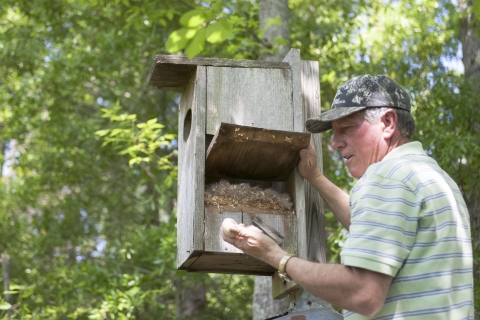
point(337, 199)
point(354, 289)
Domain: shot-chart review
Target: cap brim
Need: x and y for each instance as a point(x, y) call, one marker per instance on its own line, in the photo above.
point(323, 122)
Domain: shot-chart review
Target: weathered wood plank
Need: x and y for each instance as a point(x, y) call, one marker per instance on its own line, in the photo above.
point(281, 288)
point(293, 59)
point(313, 202)
point(198, 132)
point(254, 153)
point(191, 168)
point(185, 173)
point(231, 263)
point(173, 72)
point(249, 96)
point(268, 230)
point(302, 241)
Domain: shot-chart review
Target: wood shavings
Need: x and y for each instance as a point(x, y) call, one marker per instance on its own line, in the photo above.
point(243, 195)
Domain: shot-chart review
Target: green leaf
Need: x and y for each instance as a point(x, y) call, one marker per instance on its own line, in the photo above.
point(10, 292)
point(102, 133)
point(196, 18)
point(196, 45)
point(217, 6)
point(178, 39)
point(14, 286)
point(476, 8)
point(5, 306)
point(133, 291)
point(218, 32)
point(117, 131)
point(152, 121)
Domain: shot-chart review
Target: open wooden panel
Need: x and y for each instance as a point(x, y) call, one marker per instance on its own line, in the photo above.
point(230, 263)
point(221, 257)
point(254, 153)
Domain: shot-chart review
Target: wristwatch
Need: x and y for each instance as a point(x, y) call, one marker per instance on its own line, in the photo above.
point(281, 267)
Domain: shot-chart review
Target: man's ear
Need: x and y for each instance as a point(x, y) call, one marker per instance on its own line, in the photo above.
point(389, 120)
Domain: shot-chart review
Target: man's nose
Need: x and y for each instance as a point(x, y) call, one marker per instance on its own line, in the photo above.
point(336, 143)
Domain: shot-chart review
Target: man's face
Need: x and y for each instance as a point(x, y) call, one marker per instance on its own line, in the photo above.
point(359, 142)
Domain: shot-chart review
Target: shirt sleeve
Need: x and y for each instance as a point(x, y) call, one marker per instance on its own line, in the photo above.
point(383, 226)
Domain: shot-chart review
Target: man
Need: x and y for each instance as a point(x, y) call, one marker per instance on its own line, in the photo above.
point(408, 253)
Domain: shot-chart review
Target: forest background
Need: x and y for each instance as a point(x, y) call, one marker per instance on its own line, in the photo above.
point(88, 152)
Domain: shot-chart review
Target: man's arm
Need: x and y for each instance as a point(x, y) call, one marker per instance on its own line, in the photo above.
point(355, 289)
point(337, 199)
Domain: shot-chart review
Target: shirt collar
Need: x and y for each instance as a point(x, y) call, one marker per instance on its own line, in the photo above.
point(413, 147)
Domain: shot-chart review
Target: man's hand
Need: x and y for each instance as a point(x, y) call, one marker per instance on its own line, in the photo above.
point(308, 164)
point(255, 243)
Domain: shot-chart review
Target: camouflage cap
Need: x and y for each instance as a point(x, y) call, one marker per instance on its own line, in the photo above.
point(357, 94)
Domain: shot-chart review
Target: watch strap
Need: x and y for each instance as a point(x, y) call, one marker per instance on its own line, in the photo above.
point(281, 266)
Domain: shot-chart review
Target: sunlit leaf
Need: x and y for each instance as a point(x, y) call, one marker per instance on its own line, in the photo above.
point(196, 45)
point(195, 18)
point(178, 39)
point(5, 306)
point(219, 31)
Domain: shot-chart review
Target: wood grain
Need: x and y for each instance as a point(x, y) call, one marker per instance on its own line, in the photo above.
point(191, 168)
point(184, 215)
point(198, 158)
point(254, 153)
point(231, 263)
point(173, 72)
point(254, 97)
point(314, 204)
point(293, 59)
point(281, 288)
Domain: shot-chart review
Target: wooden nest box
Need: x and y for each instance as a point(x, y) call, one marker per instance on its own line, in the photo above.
point(241, 126)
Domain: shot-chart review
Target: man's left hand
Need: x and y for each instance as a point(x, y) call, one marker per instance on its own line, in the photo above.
point(255, 243)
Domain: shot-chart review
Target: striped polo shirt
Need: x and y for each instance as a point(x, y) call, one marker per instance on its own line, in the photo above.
point(409, 221)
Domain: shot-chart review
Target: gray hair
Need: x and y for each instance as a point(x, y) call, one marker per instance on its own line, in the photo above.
point(405, 122)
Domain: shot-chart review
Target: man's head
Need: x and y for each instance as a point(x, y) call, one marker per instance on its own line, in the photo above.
point(370, 116)
point(360, 93)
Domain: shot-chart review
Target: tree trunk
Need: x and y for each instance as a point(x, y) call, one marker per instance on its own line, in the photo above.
point(270, 9)
point(469, 29)
point(193, 301)
point(264, 306)
point(469, 36)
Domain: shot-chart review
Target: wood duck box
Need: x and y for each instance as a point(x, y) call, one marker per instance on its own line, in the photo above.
point(241, 126)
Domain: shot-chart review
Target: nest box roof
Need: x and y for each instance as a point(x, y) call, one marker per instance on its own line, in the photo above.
point(173, 72)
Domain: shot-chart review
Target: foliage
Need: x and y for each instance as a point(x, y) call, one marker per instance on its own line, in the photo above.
point(89, 222)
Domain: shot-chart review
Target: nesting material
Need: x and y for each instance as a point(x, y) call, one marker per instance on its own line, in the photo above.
point(243, 196)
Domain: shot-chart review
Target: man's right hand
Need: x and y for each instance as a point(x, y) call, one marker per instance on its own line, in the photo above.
point(307, 166)
point(337, 200)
